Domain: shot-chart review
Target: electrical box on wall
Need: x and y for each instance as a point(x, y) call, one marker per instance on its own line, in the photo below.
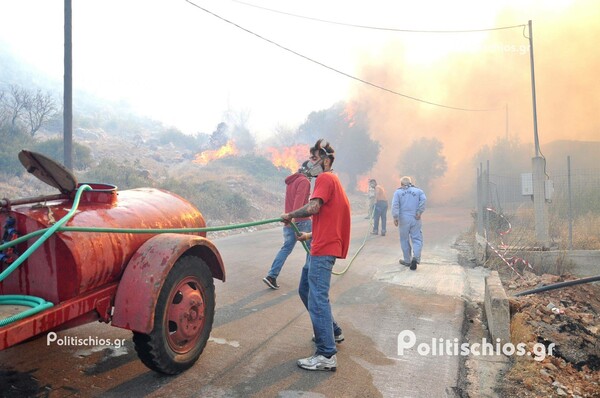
point(526, 184)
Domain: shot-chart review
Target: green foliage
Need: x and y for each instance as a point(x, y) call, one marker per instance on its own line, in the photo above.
point(215, 199)
point(54, 148)
point(424, 161)
point(258, 166)
point(348, 135)
point(508, 157)
point(244, 140)
point(179, 139)
point(125, 175)
point(9, 152)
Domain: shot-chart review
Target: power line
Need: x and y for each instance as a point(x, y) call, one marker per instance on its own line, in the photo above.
point(376, 27)
point(333, 69)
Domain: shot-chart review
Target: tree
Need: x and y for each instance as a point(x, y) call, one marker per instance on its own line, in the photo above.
point(22, 109)
point(15, 102)
point(219, 137)
point(38, 109)
point(424, 161)
point(509, 156)
point(348, 133)
point(3, 110)
point(244, 140)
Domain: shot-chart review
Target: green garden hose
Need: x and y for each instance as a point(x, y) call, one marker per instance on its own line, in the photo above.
point(39, 304)
point(361, 246)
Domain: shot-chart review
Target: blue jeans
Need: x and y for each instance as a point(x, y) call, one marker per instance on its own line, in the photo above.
point(289, 241)
point(380, 213)
point(314, 293)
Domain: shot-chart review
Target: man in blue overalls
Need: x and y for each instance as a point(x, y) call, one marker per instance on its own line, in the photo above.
point(407, 206)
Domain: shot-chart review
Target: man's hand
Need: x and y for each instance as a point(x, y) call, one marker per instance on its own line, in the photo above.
point(304, 236)
point(286, 218)
point(418, 216)
point(395, 222)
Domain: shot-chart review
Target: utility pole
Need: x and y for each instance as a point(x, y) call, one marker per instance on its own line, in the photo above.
point(68, 90)
point(538, 165)
point(506, 122)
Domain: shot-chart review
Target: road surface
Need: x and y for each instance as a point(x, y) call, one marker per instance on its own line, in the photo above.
point(259, 333)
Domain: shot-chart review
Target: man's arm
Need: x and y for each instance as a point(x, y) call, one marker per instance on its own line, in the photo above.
point(312, 207)
point(421, 206)
point(395, 208)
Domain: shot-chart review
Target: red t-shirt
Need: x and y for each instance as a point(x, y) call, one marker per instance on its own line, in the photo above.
point(331, 226)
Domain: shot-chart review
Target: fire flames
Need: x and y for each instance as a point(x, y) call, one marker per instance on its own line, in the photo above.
point(228, 149)
point(350, 112)
point(289, 157)
point(363, 184)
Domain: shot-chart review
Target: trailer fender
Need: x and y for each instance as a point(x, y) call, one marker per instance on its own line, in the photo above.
point(146, 272)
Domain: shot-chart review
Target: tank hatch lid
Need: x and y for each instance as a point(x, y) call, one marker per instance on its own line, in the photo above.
point(48, 171)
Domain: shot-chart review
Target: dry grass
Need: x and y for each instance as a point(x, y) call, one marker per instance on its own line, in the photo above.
point(586, 233)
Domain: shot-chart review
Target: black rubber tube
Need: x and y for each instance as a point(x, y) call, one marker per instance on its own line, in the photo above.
point(560, 285)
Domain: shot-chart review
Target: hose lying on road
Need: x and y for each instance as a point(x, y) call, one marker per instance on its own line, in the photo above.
point(560, 285)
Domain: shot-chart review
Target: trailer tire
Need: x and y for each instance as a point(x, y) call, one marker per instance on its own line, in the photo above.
point(183, 318)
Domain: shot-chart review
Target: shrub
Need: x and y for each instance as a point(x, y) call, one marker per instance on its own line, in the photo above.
point(214, 199)
point(9, 153)
point(124, 175)
point(54, 148)
point(260, 167)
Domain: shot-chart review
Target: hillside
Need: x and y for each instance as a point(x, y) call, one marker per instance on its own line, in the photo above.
point(255, 186)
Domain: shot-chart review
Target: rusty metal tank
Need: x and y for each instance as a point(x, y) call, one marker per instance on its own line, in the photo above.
point(71, 263)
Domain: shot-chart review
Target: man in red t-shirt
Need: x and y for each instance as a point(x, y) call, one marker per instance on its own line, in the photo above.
point(330, 235)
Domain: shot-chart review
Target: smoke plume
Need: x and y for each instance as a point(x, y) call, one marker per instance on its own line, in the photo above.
point(494, 75)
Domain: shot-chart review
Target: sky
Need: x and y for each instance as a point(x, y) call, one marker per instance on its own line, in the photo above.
point(182, 65)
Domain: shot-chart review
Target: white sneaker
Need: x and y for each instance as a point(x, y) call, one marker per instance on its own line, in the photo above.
point(318, 362)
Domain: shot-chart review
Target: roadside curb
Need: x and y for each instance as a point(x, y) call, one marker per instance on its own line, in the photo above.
point(496, 307)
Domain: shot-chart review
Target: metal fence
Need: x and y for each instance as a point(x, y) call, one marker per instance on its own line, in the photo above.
point(506, 216)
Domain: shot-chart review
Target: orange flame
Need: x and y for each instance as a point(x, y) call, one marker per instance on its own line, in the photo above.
point(228, 149)
point(363, 184)
point(350, 112)
point(289, 157)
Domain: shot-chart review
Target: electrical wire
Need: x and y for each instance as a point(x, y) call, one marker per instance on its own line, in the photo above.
point(376, 27)
point(337, 70)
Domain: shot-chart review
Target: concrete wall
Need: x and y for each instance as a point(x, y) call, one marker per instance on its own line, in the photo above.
point(497, 311)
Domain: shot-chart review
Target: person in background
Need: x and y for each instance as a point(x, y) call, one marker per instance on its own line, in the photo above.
point(330, 209)
point(380, 209)
point(407, 206)
point(370, 200)
point(297, 192)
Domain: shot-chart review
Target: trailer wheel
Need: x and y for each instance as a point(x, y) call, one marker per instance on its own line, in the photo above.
point(183, 319)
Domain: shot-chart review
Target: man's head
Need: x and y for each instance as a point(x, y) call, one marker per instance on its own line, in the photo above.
point(322, 157)
point(405, 182)
point(372, 182)
point(313, 155)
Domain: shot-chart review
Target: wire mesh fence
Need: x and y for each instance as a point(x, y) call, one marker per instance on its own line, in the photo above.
point(506, 215)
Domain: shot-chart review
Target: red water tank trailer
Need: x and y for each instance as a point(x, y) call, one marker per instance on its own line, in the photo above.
point(159, 285)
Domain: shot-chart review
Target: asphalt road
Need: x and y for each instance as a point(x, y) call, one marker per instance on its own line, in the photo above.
point(259, 333)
